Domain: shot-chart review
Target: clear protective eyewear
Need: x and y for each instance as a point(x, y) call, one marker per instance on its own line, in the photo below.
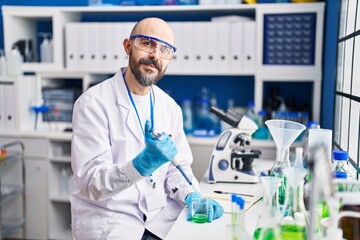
point(149, 44)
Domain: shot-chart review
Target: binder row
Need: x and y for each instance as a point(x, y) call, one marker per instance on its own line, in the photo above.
point(96, 46)
point(216, 46)
point(212, 46)
point(7, 107)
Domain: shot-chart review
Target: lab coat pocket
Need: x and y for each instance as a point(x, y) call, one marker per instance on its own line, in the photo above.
point(155, 199)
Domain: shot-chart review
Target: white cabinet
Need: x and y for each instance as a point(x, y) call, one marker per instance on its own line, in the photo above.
point(36, 198)
point(36, 185)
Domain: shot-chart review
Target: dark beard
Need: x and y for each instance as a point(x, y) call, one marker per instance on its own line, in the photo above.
point(145, 80)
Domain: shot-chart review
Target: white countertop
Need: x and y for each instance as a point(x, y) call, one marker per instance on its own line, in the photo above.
point(182, 229)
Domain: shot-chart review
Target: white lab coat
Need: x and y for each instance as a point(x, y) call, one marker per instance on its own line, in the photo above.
point(111, 196)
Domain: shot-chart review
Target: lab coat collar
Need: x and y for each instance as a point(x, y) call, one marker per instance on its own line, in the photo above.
point(124, 102)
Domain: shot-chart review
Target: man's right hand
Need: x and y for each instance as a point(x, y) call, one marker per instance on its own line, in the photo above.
point(158, 150)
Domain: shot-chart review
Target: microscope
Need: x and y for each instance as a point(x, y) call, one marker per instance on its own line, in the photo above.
point(231, 159)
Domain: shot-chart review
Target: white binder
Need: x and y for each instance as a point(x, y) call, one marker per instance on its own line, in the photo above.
point(9, 94)
point(92, 45)
point(106, 47)
point(236, 46)
point(187, 54)
point(81, 43)
point(71, 46)
point(210, 44)
point(2, 108)
point(175, 64)
point(198, 41)
point(223, 43)
point(249, 33)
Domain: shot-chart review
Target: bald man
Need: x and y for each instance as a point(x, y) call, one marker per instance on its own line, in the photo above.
point(126, 132)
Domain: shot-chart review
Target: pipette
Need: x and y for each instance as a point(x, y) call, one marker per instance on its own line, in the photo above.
point(176, 163)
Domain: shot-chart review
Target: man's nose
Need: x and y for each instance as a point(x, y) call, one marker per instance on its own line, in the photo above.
point(155, 53)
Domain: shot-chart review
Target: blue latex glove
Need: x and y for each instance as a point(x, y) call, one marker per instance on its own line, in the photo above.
point(215, 209)
point(158, 150)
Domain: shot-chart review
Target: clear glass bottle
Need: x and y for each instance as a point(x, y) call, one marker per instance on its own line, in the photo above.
point(340, 165)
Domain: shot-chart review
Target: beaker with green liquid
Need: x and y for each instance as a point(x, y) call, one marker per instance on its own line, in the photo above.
point(284, 133)
point(267, 227)
point(199, 210)
point(293, 225)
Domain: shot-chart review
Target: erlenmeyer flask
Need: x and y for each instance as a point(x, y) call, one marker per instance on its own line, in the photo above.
point(267, 227)
point(293, 225)
point(284, 134)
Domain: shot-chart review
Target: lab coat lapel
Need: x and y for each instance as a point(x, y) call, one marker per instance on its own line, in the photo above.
point(124, 101)
point(158, 111)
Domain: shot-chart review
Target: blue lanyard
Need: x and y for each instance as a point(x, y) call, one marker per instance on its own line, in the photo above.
point(134, 105)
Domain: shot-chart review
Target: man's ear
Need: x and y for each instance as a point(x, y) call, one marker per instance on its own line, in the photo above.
point(127, 46)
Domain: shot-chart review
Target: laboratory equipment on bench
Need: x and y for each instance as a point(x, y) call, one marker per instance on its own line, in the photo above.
point(284, 133)
point(231, 161)
point(267, 226)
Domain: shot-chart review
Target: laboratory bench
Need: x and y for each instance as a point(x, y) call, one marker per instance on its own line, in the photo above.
point(182, 229)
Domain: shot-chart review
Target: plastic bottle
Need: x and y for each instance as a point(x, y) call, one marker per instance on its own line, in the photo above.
point(14, 63)
point(187, 115)
point(250, 110)
point(340, 166)
point(63, 181)
point(46, 48)
point(2, 63)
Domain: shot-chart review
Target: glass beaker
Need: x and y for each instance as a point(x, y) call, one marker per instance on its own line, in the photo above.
point(199, 213)
point(284, 133)
point(293, 225)
point(267, 227)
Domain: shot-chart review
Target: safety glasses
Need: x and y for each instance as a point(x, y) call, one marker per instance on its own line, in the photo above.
point(149, 44)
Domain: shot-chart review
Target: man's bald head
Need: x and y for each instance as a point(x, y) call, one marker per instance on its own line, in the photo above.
point(154, 27)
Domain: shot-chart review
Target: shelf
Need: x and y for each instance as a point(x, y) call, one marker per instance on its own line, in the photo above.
point(8, 226)
point(65, 159)
point(64, 198)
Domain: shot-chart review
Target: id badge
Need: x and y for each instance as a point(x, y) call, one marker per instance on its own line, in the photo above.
point(155, 199)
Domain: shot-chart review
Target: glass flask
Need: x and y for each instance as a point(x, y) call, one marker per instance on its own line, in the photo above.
point(267, 227)
point(293, 225)
point(284, 133)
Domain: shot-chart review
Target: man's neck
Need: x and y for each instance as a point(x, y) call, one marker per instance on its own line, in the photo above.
point(134, 86)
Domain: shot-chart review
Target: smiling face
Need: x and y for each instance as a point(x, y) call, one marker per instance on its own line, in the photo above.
point(148, 67)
